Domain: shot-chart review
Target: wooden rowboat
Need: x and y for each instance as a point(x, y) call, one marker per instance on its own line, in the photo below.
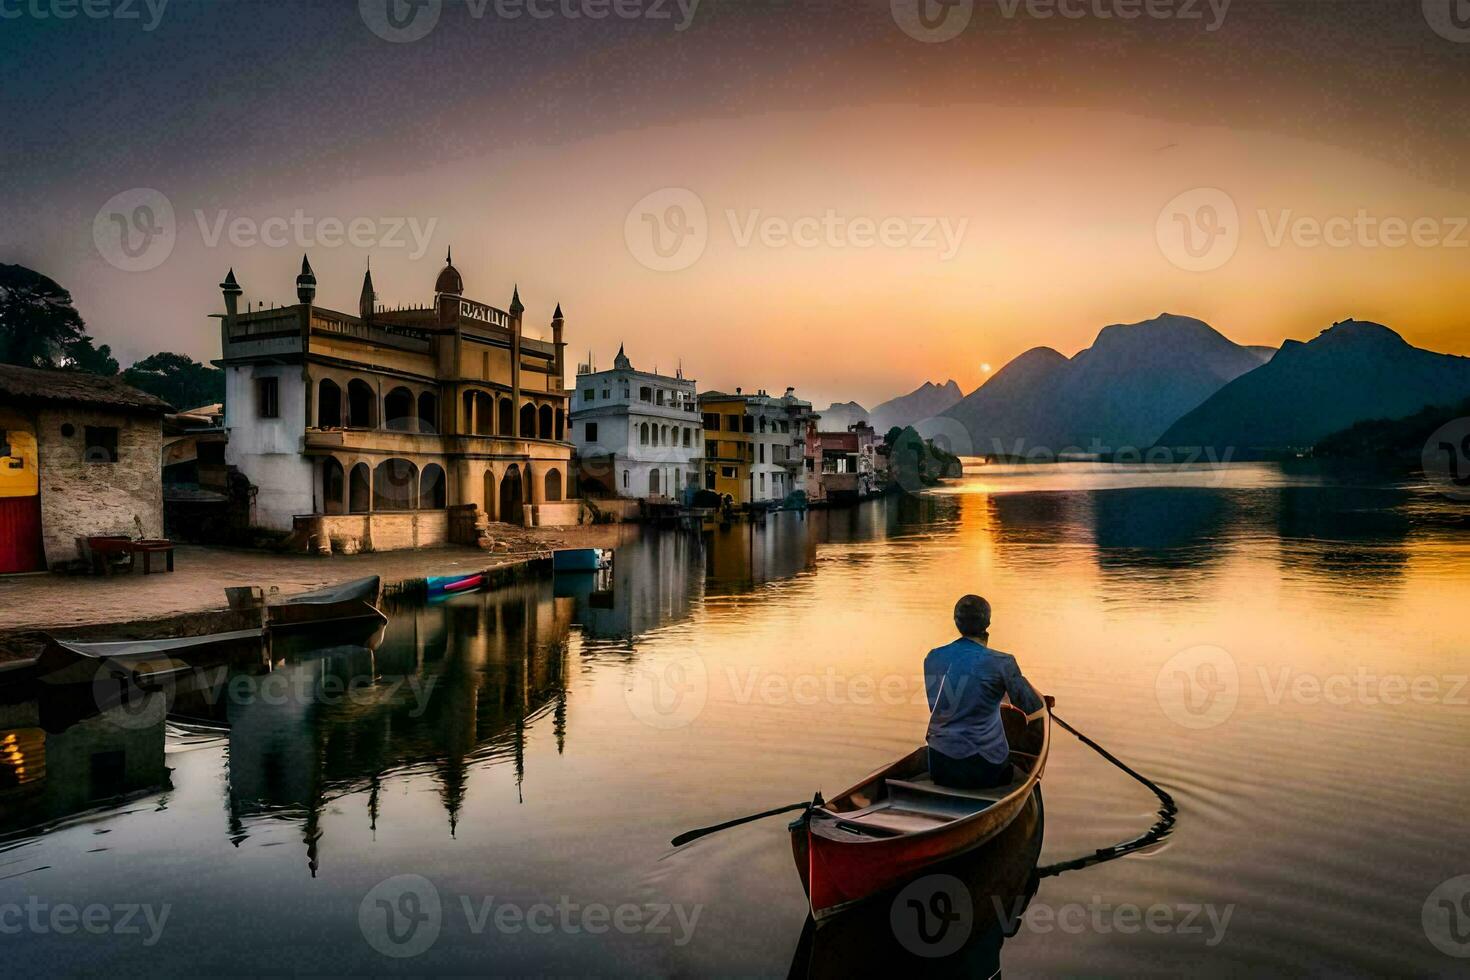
point(139, 661)
point(896, 823)
point(355, 601)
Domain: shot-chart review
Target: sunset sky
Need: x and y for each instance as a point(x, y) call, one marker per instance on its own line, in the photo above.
point(1035, 175)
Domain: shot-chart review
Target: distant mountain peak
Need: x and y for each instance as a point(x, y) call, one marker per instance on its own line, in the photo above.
point(1360, 331)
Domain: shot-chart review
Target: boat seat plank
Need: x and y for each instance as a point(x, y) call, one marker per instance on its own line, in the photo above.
point(924, 784)
point(897, 821)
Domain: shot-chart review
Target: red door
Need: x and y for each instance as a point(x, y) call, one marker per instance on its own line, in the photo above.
point(20, 534)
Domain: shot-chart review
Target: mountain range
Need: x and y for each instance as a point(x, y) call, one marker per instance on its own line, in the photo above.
point(1121, 393)
point(1353, 371)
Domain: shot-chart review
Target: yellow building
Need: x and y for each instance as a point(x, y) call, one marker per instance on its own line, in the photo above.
point(729, 445)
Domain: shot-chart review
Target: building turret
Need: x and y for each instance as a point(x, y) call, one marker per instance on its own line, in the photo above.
point(368, 298)
point(306, 283)
point(621, 362)
point(558, 326)
point(232, 292)
point(450, 282)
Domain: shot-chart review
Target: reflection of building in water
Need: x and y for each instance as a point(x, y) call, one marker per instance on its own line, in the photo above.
point(655, 580)
point(53, 766)
point(454, 686)
point(748, 555)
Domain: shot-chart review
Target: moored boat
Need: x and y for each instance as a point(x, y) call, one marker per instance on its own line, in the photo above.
point(896, 823)
point(138, 661)
point(353, 601)
point(445, 585)
point(581, 559)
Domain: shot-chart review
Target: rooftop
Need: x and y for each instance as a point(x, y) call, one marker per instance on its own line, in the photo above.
point(23, 384)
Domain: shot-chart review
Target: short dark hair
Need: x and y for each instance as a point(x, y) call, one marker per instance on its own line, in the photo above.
point(972, 615)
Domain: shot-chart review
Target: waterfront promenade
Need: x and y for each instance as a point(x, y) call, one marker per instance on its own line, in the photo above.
point(46, 601)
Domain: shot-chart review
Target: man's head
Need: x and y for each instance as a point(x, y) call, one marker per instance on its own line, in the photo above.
point(972, 616)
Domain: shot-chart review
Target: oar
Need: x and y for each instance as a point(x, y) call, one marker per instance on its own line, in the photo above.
point(690, 835)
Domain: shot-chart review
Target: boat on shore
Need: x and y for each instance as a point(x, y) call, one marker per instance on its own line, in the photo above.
point(349, 602)
point(581, 559)
point(141, 662)
point(896, 823)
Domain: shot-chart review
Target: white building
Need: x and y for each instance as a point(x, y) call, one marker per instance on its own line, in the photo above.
point(779, 440)
point(637, 433)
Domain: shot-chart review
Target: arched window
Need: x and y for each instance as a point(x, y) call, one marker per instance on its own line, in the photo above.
point(362, 405)
point(395, 485)
point(484, 413)
point(653, 431)
point(643, 434)
point(328, 405)
point(467, 417)
point(560, 424)
point(511, 496)
point(433, 493)
point(505, 422)
point(544, 417)
point(553, 485)
point(490, 495)
point(653, 482)
point(428, 412)
point(528, 421)
point(686, 437)
point(333, 481)
point(399, 412)
point(359, 490)
point(665, 431)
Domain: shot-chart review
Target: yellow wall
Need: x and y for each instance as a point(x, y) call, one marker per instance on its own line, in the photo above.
point(19, 471)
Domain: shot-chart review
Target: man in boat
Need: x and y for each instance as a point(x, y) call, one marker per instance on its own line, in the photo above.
point(966, 681)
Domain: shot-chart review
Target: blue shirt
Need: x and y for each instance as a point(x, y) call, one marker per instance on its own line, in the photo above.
point(966, 681)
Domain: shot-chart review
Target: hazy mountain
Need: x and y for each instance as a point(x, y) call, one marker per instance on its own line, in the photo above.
point(922, 403)
point(1350, 372)
point(839, 415)
point(1123, 392)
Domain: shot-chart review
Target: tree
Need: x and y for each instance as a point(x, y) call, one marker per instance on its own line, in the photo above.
point(178, 379)
point(39, 327)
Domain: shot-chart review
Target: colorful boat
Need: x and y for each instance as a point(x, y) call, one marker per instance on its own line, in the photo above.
point(447, 585)
point(581, 559)
point(355, 601)
point(896, 823)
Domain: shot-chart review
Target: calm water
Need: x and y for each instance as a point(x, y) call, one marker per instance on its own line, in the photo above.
point(1284, 653)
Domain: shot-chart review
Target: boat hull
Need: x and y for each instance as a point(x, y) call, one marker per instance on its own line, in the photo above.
point(839, 868)
point(351, 602)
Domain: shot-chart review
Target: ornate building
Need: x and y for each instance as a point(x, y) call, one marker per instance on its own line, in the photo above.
point(370, 427)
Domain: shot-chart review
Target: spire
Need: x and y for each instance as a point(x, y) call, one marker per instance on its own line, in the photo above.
point(557, 315)
point(305, 283)
point(230, 285)
point(516, 307)
point(450, 282)
point(369, 297)
point(621, 362)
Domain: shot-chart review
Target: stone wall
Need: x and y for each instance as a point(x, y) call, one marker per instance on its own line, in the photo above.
point(82, 497)
point(554, 515)
point(379, 531)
